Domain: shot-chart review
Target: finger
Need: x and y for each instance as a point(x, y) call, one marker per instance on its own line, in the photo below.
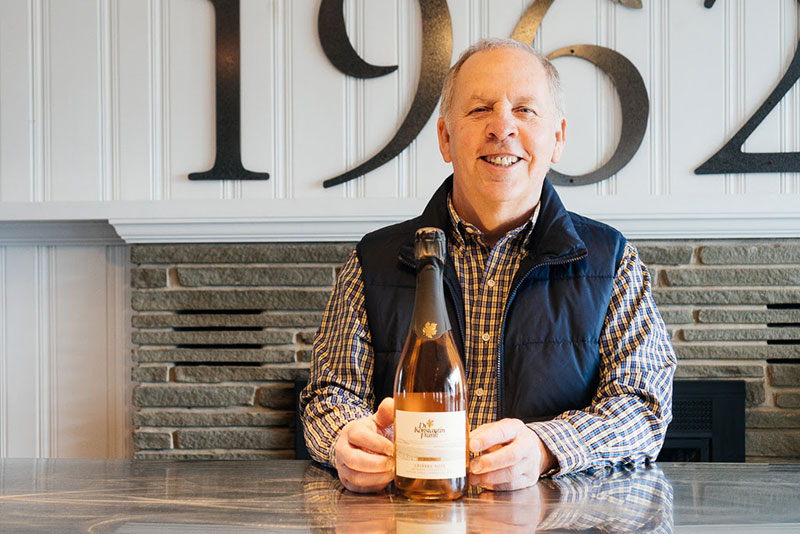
point(364, 482)
point(503, 457)
point(502, 480)
point(363, 461)
point(384, 417)
point(366, 438)
point(492, 434)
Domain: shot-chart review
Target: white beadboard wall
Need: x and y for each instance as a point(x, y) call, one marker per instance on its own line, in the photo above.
point(107, 105)
point(65, 387)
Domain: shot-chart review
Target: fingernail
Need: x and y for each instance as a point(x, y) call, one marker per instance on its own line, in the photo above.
point(475, 468)
point(475, 445)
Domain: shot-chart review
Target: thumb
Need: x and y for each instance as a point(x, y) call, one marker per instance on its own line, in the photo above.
point(384, 417)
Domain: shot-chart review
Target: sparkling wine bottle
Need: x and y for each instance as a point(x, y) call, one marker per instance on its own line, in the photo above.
point(430, 389)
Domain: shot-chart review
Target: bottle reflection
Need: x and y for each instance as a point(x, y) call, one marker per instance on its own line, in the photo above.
point(625, 499)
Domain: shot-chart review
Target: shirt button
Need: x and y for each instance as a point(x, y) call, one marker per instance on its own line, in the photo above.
point(479, 392)
point(485, 336)
point(490, 283)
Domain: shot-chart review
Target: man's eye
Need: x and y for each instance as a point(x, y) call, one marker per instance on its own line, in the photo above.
point(526, 110)
point(479, 109)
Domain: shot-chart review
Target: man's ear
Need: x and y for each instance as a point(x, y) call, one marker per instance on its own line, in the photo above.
point(561, 138)
point(444, 140)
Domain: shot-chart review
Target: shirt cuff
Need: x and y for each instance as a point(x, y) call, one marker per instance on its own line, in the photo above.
point(565, 443)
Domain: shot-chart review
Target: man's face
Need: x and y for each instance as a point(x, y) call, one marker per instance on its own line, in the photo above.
point(502, 132)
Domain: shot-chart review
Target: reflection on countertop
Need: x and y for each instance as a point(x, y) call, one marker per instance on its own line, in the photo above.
point(297, 496)
point(607, 500)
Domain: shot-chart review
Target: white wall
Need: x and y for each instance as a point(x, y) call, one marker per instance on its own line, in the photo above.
point(107, 105)
point(65, 352)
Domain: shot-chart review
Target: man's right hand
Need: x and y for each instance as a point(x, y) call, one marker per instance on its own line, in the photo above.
point(363, 454)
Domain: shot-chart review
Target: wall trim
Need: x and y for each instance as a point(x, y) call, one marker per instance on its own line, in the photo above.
point(654, 226)
point(320, 219)
point(58, 233)
point(3, 357)
point(116, 231)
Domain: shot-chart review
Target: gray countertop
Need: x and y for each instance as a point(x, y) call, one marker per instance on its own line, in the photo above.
point(296, 496)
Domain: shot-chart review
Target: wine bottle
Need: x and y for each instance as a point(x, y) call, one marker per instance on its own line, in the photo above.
point(430, 389)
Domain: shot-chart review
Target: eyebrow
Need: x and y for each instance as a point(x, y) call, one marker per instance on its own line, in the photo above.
point(523, 100)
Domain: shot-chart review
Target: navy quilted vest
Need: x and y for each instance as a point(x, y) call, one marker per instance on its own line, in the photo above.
point(549, 356)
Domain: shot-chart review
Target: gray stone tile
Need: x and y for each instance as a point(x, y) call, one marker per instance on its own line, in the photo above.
point(264, 319)
point(785, 374)
point(227, 373)
point(238, 337)
point(697, 296)
point(759, 252)
point(734, 276)
point(653, 252)
point(278, 396)
point(243, 253)
point(186, 396)
point(255, 276)
point(267, 438)
point(215, 355)
point(731, 351)
point(741, 334)
point(747, 315)
point(218, 417)
point(243, 299)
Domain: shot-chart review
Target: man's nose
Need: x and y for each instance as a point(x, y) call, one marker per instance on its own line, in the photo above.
point(502, 124)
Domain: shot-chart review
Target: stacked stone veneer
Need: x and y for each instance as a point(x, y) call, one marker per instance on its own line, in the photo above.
point(222, 331)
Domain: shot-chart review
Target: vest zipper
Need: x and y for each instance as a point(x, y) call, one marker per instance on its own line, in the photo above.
point(511, 296)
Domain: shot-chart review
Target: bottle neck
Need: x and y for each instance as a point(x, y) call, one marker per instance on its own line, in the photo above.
point(430, 320)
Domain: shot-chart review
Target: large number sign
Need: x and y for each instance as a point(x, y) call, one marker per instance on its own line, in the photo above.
point(437, 45)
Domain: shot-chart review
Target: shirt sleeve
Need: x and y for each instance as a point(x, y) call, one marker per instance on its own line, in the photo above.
point(629, 413)
point(339, 389)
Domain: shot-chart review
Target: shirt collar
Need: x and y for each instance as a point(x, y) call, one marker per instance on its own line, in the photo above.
point(463, 229)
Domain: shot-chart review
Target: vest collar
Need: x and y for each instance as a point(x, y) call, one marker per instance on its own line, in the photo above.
point(553, 237)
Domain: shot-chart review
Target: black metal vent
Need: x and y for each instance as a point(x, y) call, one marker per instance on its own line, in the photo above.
point(708, 422)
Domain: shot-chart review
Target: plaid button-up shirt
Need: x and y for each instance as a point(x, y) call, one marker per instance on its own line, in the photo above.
point(627, 418)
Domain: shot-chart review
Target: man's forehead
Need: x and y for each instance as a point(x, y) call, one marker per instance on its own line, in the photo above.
point(487, 58)
point(525, 81)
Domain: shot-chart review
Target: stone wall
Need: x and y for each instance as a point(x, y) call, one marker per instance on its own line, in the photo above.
point(223, 331)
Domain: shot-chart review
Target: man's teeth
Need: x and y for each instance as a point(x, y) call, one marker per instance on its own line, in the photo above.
point(503, 161)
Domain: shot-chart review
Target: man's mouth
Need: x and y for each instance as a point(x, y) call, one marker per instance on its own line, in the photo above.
point(501, 161)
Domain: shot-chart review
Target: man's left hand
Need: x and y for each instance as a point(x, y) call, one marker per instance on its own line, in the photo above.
point(511, 456)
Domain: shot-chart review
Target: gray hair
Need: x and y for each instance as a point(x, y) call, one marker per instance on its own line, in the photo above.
point(553, 79)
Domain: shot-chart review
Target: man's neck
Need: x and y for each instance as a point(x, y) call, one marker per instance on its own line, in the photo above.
point(494, 220)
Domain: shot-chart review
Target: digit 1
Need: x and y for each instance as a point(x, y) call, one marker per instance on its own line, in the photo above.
point(228, 159)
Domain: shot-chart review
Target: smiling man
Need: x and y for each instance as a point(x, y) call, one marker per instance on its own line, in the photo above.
point(568, 362)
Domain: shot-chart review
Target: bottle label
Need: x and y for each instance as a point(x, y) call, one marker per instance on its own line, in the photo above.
point(430, 445)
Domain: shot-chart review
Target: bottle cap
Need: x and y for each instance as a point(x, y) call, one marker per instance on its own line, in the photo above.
point(430, 242)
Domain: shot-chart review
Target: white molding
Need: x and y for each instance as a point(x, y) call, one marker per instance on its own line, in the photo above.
point(57, 233)
point(244, 229)
point(50, 396)
point(349, 219)
point(286, 183)
point(3, 356)
point(118, 388)
point(654, 226)
point(43, 369)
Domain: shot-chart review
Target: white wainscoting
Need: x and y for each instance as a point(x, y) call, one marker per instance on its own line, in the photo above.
point(110, 103)
point(65, 389)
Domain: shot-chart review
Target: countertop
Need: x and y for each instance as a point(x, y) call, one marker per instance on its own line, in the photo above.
point(297, 496)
